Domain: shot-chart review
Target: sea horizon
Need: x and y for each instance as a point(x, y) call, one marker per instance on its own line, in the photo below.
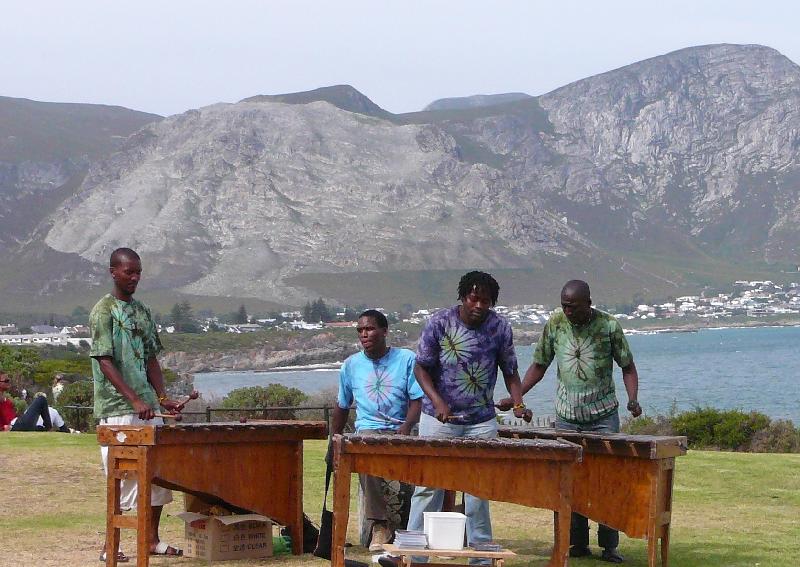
point(746, 368)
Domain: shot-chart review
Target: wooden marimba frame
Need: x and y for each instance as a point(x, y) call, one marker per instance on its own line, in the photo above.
point(623, 481)
point(536, 473)
point(255, 466)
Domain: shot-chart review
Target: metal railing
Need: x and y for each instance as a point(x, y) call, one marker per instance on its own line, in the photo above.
point(83, 415)
point(81, 418)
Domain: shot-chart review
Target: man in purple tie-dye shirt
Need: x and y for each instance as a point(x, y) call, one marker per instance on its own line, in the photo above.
point(458, 355)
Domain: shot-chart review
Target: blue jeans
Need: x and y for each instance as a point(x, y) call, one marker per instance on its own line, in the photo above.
point(607, 538)
point(28, 420)
point(479, 523)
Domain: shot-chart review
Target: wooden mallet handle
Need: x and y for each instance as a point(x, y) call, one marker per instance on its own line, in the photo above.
point(175, 416)
point(193, 396)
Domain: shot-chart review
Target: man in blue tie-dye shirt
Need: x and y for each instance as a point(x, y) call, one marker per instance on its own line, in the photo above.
point(380, 380)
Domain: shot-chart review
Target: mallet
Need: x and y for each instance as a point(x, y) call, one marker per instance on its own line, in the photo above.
point(175, 416)
point(193, 396)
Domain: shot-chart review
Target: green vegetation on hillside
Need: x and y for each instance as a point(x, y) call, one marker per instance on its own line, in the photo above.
point(614, 280)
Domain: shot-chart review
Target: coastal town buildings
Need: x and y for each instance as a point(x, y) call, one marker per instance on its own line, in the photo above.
point(748, 299)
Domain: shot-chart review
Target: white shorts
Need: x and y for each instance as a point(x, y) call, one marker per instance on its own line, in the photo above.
point(129, 489)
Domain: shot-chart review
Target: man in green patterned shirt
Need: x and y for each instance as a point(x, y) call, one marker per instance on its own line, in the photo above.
point(128, 383)
point(585, 343)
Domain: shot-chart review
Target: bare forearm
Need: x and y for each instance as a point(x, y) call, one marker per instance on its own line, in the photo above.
point(156, 377)
point(533, 376)
point(339, 420)
point(426, 383)
point(514, 387)
point(630, 377)
point(413, 413)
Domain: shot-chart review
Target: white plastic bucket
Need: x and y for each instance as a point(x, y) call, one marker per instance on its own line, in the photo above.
point(445, 530)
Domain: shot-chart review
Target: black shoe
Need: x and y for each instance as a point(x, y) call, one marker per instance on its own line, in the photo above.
point(579, 551)
point(611, 555)
point(388, 561)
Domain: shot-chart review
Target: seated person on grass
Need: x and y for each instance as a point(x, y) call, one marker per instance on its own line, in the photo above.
point(39, 417)
point(7, 411)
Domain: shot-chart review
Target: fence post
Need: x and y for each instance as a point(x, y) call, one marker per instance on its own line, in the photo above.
point(208, 414)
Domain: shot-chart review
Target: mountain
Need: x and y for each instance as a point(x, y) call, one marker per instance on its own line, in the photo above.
point(45, 148)
point(474, 101)
point(340, 96)
point(661, 177)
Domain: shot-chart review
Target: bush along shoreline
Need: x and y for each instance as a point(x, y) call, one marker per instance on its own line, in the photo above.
point(724, 430)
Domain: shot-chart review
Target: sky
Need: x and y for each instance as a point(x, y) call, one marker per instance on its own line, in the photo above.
point(168, 56)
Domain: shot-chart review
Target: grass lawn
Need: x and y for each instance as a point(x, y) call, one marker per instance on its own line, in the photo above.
point(730, 509)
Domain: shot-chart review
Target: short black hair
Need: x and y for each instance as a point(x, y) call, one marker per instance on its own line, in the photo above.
point(378, 317)
point(478, 281)
point(577, 288)
point(120, 253)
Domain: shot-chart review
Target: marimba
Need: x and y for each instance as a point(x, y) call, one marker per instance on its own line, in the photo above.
point(623, 481)
point(255, 466)
point(535, 473)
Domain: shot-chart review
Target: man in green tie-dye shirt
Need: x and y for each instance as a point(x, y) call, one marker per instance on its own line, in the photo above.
point(585, 343)
point(128, 382)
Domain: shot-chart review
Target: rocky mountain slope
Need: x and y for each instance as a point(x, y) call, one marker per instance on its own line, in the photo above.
point(647, 172)
point(44, 150)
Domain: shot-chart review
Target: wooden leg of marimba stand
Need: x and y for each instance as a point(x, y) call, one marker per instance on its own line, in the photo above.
point(341, 509)
point(562, 516)
point(112, 509)
point(144, 509)
point(665, 546)
point(652, 521)
point(666, 481)
point(296, 488)
point(652, 550)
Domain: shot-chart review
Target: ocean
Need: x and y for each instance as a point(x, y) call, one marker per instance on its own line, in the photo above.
point(741, 368)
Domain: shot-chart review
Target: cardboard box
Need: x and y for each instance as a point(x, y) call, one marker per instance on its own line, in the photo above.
point(240, 536)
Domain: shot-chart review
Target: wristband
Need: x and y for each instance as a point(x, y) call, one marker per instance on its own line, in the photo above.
point(519, 406)
point(161, 399)
point(632, 405)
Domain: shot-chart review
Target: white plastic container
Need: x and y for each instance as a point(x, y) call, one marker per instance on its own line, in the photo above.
point(445, 530)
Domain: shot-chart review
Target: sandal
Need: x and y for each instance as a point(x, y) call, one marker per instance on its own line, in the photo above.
point(121, 557)
point(164, 549)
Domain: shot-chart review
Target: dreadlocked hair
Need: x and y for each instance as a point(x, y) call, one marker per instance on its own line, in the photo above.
point(478, 281)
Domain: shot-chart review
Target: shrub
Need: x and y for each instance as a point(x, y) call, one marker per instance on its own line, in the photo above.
point(19, 363)
point(697, 425)
point(730, 429)
point(780, 437)
point(273, 395)
point(736, 429)
point(72, 368)
point(709, 427)
point(77, 394)
point(20, 405)
point(646, 425)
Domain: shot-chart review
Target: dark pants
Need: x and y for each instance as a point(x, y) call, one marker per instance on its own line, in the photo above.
point(372, 486)
point(37, 409)
point(607, 538)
